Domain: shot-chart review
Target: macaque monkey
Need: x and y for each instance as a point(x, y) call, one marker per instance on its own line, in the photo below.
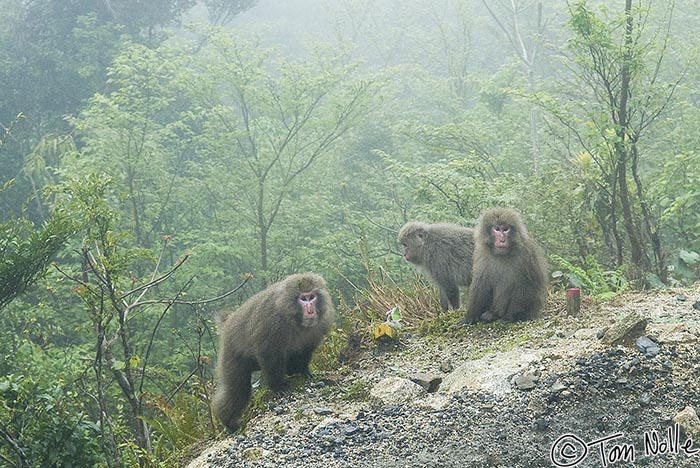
point(443, 251)
point(275, 331)
point(509, 278)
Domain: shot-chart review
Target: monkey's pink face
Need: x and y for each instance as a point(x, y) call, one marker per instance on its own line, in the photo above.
point(500, 234)
point(309, 312)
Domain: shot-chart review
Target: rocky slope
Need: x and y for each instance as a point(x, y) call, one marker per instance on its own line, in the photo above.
point(559, 391)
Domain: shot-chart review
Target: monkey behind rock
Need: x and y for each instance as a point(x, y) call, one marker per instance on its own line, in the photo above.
point(444, 252)
point(276, 331)
point(509, 277)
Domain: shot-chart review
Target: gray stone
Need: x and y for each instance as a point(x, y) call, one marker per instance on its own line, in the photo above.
point(253, 453)
point(647, 347)
point(689, 423)
point(394, 390)
point(322, 411)
point(524, 382)
point(558, 386)
point(625, 331)
point(491, 374)
point(429, 382)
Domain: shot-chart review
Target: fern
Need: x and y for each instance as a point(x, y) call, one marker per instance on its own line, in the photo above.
point(592, 277)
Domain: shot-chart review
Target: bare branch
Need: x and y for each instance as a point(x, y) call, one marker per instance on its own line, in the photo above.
point(247, 278)
point(157, 281)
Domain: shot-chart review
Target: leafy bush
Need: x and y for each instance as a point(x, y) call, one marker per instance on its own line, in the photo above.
point(25, 252)
point(42, 427)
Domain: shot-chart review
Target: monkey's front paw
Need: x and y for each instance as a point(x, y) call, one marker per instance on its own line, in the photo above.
point(280, 388)
point(231, 426)
point(466, 320)
point(488, 316)
point(283, 392)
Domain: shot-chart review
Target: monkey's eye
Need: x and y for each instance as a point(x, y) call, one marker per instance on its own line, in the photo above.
point(307, 297)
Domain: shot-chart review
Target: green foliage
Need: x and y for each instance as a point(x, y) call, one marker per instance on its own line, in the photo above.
point(271, 120)
point(616, 58)
point(43, 428)
point(442, 324)
point(177, 427)
point(592, 277)
point(26, 252)
point(678, 189)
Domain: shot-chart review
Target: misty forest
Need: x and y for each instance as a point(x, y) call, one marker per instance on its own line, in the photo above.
point(165, 160)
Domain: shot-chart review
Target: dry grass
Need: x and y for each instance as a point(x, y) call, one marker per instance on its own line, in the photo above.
point(417, 302)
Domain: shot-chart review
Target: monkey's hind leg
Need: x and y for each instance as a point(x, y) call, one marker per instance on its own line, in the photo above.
point(232, 393)
point(449, 296)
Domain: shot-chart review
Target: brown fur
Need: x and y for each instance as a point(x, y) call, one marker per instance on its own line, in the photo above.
point(510, 285)
point(444, 252)
point(267, 333)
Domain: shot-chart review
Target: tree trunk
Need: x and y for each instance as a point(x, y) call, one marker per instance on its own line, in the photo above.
point(621, 146)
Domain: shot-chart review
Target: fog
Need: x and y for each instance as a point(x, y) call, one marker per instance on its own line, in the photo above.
point(162, 161)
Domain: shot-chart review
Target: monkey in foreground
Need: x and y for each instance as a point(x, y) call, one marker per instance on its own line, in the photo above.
point(443, 251)
point(275, 331)
point(509, 278)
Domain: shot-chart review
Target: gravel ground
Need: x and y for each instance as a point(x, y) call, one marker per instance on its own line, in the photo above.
point(595, 406)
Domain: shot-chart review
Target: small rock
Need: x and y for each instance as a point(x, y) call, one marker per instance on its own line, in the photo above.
point(647, 347)
point(434, 402)
point(323, 411)
point(625, 330)
point(681, 297)
point(601, 424)
point(429, 382)
point(696, 305)
point(326, 424)
point(253, 453)
point(446, 366)
point(558, 386)
point(351, 429)
point(689, 423)
point(673, 333)
point(541, 424)
point(394, 390)
point(524, 382)
point(644, 400)
point(278, 410)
